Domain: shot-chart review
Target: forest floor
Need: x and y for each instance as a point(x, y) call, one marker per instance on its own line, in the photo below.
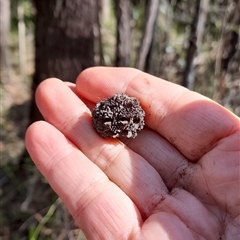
point(16, 94)
point(29, 208)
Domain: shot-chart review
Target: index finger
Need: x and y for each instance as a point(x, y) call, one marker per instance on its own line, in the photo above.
point(190, 121)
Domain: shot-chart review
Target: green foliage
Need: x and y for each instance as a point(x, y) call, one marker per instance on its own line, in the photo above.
point(49, 215)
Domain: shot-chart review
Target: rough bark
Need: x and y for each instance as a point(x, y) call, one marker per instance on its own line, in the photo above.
point(188, 74)
point(227, 76)
point(64, 40)
point(149, 64)
point(152, 10)
point(122, 8)
point(99, 55)
point(219, 79)
point(231, 37)
point(195, 41)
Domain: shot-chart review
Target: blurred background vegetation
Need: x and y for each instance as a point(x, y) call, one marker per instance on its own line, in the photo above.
point(192, 43)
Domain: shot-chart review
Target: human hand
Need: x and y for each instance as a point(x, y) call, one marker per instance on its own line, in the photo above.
point(179, 179)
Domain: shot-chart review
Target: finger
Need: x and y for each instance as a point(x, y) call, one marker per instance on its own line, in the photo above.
point(99, 207)
point(190, 121)
point(132, 173)
point(72, 86)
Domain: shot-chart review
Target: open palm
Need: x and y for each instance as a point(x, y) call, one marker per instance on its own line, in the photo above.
point(179, 179)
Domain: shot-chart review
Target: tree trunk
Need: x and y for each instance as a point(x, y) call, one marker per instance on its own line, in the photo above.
point(122, 8)
point(227, 75)
point(106, 10)
point(21, 37)
point(231, 38)
point(192, 47)
point(152, 10)
point(64, 40)
point(4, 31)
point(99, 55)
point(150, 64)
point(219, 80)
point(195, 41)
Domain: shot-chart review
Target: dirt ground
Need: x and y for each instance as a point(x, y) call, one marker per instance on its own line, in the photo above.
point(29, 207)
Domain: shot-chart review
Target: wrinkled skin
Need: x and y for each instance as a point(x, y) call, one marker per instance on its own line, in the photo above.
point(179, 179)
